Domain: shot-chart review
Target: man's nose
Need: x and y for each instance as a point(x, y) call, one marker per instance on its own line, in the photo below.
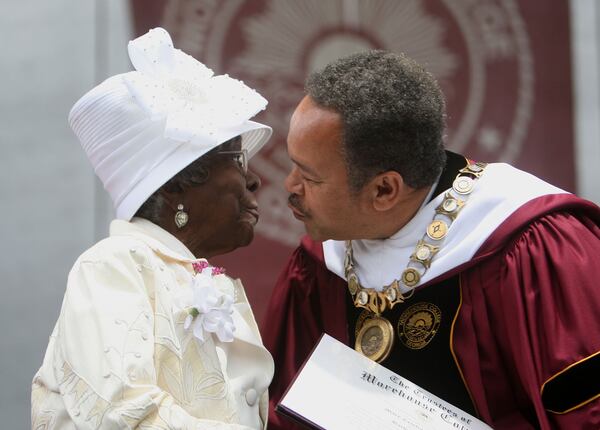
point(293, 185)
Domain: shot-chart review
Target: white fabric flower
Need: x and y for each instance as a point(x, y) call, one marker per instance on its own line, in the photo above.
point(172, 85)
point(211, 309)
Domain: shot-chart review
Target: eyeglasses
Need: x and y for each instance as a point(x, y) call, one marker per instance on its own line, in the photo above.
point(240, 157)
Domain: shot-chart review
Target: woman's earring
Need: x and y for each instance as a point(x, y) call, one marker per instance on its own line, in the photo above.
point(181, 217)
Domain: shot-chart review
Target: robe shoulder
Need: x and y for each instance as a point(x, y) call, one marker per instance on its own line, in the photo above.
point(530, 307)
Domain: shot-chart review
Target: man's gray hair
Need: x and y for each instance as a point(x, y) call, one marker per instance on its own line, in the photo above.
point(393, 114)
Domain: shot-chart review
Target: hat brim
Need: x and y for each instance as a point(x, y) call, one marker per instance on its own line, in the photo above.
point(254, 136)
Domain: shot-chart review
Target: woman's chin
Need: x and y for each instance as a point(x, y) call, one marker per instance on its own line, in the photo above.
point(248, 235)
point(244, 237)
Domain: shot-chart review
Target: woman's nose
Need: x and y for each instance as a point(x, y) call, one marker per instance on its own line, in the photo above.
point(252, 181)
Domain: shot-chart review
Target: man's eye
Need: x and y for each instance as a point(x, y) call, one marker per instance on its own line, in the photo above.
point(312, 181)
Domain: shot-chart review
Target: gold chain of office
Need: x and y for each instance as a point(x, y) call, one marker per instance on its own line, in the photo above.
point(376, 302)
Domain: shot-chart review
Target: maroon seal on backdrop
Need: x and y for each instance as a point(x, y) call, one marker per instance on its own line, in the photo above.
point(505, 72)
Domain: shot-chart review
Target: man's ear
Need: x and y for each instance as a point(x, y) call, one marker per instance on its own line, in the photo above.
point(386, 190)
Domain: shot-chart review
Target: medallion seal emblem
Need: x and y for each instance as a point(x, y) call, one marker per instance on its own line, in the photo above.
point(418, 324)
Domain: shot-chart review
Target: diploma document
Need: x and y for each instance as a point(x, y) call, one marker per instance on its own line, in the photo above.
point(338, 388)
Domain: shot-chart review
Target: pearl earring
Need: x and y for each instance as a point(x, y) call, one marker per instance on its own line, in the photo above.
point(181, 217)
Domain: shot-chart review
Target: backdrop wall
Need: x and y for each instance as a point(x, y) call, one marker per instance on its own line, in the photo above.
point(504, 65)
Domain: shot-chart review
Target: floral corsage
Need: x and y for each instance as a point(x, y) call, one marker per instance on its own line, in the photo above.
point(211, 308)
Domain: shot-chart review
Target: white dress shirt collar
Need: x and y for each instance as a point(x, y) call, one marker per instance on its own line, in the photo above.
point(500, 191)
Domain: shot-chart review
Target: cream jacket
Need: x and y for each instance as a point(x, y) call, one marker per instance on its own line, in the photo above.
point(119, 356)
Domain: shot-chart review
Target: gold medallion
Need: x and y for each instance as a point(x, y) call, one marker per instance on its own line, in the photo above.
point(375, 338)
point(463, 184)
point(450, 205)
point(411, 277)
point(475, 168)
point(437, 230)
point(362, 317)
point(423, 253)
point(353, 284)
point(392, 293)
point(362, 298)
point(418, 324)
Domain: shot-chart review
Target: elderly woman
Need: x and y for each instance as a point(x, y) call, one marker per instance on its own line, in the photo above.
point(150, 334)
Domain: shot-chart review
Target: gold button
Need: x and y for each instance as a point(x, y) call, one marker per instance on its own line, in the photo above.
point(251, 396)
point(391, 294)
point(411, 277)
point(353, 284)
point(423, 253)
point(450, 205)
point(362, 298)
point(463, 184)
point(475, 168)
point(437, 229)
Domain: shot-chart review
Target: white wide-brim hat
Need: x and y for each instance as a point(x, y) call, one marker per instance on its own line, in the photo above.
point(139, 129)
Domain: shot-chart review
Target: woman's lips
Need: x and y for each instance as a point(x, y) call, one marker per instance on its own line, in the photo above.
point(251, 215)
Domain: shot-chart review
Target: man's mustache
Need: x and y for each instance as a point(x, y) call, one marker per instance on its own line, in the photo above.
point(294, 201)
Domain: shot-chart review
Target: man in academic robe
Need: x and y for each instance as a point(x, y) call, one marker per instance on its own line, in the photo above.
point(478, 282)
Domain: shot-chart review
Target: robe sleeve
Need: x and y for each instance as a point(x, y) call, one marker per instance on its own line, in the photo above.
point(307, 301)
point(104, 352)
point(529, 335)
point(555, 315)
point(292, 326)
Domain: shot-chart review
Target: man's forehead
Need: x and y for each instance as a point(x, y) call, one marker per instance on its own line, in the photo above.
point(310, 109)
point(315, 122)
point(314, 140)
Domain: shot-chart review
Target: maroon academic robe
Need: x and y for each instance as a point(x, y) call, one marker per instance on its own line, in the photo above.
point(526, 337)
